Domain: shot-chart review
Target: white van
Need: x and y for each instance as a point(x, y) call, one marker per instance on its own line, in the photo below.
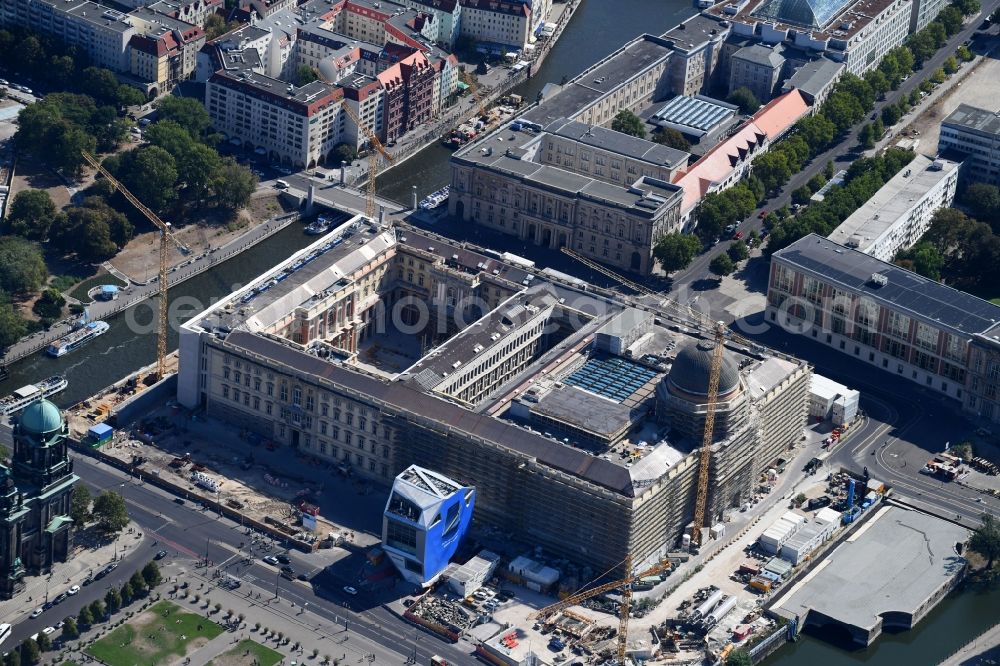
point(281, 184)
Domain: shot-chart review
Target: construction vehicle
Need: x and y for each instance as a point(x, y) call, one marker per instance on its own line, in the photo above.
point(165, 236)
point(625, 585)
point(373, 160)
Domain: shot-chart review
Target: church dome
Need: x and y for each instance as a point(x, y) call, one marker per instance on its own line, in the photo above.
point(40, 417)
point(692, 367)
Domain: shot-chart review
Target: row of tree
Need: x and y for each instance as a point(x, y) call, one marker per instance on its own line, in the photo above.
point(135, 588)
point(108, 509)
point(864, 178)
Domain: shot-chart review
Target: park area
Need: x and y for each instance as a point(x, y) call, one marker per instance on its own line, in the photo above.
point(157, 636)
point(247, 653)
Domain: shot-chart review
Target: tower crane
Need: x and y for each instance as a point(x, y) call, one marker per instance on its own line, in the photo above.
point(165, 236)
point(373, 156)
point(625, 585)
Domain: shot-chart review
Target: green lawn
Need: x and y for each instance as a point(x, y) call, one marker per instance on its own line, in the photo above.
point(79, 292)
point(995, 301)
point(247, 652)
point(155, 636)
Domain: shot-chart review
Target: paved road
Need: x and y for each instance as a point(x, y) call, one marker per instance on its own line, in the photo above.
point(841, 153)
point(907, 425)
point(191, 534)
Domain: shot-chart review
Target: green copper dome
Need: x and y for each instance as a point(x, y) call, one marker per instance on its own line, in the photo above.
point(40, 417)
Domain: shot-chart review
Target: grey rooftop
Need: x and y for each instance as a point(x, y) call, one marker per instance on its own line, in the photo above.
point(975, 119)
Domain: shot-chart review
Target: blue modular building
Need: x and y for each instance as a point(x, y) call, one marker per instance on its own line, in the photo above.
point(424, 521)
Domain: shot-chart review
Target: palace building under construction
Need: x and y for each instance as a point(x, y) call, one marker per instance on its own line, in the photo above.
point(574, 413)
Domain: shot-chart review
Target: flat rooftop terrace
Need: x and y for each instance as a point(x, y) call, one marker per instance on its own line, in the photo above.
point(886, 573)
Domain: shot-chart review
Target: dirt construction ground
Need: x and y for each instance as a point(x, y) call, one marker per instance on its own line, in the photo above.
point(978, 88)
point(138, 258)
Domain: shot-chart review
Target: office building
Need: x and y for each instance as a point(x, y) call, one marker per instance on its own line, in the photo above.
point(374, 349)
point(35, 498)
point(973, 135)
point(815, 79)
point(695, 47)
point(424, 521)
point(855, 32)
point(900, 213)
point(907, 325)
point(757, 68)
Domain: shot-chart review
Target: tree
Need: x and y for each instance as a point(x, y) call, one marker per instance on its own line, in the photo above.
point(859, 89)
point(739, 657)
point(110, 512)
point(627, 122)
point(801, 195)
point(233, 184)
point(197, 168)
point(129, 96)
point(878, 82)
point(951, 18)
point(938, 76)
point(12, 658)
point(816, 183)
point(12, 325)
point(744, 98)
point(22, 266)
point(922, 46)
point(31, 214)
point(215, 26)
point(99, 83)
point(127, 594)
point(668, 136)
point(738, 251)
point(878, 128)
point(964, 53)
point(85, 618)
point(113, 600)
point(984, 202)
point(722, 265)
point(773, 169)
point(937, 33)
point(151, 574)
point(891, 113)
point(149, 172)
point(138, 583)
point(843, 110)
point(344, 152)
point(93, 230)
point(986, 540)
point(867, 136)
point(968, 7)
point(49, 305)
point(675, 251)
point(304, 75)
point(97, 610)
point(171, 136)
point(828, 170)
point(30, 654)
point(44, 642)
point(69, 630)
point(187, 112)
point(922, 258)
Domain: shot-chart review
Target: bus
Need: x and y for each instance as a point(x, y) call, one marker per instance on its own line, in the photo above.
point(4, 632)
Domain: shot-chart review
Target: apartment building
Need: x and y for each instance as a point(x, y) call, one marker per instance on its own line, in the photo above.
point(297, 126)
point(915, 328)
point(100, 32)
point(501, 23)
point(900, 213)
point(190, 11)
point(164, 50)
point(444, 30)
point(973, 135)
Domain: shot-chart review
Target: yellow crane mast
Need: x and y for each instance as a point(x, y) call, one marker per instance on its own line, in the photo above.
point(165, 235)
point(701, 496)
point(373, 157)
point(625, 585)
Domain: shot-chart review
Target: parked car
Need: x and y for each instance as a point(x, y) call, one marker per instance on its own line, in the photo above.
point(350, 590)
point(160, 555)
point(73, 590)
point(283, 558)
point(271, 559)
point(738, 235)
point(35, 613)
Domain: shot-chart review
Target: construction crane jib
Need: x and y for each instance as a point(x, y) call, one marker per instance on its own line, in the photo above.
point(701, 498)
point(373, 156)
point(165, 236)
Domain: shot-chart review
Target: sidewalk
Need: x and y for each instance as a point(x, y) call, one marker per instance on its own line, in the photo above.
point(64, 574)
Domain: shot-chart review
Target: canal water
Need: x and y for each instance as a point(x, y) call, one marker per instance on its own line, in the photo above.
point(597, 28)
point(131, 342)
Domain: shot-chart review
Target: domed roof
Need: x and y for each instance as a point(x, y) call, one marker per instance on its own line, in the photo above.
point(40, 417)
point(692, 367)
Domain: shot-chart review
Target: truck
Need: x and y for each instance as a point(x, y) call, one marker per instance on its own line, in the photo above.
point(944, 466)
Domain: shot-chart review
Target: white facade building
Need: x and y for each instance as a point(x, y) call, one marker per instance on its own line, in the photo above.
point(900, 212)
point(975, 135)
point(831, 400)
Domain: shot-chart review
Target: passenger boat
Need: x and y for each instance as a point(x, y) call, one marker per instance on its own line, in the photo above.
point(25, 395)
point(435, 199)
point(78, 338)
